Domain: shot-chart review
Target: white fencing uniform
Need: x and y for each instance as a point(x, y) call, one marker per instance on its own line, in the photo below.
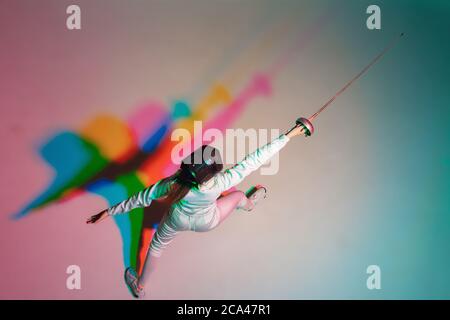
point(197, 211)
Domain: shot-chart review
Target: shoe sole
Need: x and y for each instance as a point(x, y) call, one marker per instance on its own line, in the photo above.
point(128, 285)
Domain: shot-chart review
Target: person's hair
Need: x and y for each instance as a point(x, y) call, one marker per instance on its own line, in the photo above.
point(197, 168)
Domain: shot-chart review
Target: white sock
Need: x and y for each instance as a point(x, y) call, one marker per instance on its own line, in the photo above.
point(245, 204)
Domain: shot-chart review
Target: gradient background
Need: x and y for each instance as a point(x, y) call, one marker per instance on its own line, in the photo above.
point(370, 187)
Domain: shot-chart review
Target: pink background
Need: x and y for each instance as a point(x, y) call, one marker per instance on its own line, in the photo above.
point(329, 213)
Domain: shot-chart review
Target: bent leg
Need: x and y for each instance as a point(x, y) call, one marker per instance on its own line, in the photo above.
point(227, 204)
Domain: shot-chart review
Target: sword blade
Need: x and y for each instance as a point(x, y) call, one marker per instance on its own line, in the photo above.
point(378, 57)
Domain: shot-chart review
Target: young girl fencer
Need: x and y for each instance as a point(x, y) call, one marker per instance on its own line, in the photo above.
point(192, 199)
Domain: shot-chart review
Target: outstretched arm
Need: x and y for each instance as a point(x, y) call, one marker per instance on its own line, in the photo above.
point(252, 162)
point(138, 200)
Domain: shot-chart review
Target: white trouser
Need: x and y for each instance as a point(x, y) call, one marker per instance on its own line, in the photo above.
point(177, 221)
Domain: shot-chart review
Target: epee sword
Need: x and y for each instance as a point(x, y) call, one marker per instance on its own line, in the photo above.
point(306, 123)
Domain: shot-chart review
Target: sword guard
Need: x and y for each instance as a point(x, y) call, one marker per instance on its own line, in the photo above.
point(306, 125)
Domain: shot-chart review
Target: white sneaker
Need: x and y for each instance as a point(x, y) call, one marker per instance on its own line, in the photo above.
point(255, 194)
point(132, 281)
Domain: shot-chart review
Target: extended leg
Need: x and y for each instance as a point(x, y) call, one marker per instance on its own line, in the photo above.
point(150, 265)
point(164, 234)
